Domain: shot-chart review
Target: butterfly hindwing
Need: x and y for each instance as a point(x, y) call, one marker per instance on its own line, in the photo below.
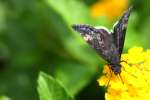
point(119, 30)
point(100, 40)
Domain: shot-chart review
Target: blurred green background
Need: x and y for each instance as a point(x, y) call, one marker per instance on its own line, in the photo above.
point(36, 36)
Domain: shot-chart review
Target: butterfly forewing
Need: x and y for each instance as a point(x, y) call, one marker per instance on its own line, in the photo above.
point(100, 40)
point(109, 45)
point(119, 30)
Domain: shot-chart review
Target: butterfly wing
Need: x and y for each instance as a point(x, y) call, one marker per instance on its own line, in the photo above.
point(119, 30)
point(100, 40)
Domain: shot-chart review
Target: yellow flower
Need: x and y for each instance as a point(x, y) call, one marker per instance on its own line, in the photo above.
point(134, 80)
point(108, 8)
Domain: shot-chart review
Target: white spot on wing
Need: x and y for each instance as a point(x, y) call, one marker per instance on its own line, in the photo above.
point(102, 27)
point(112, 30)
point(87, 37)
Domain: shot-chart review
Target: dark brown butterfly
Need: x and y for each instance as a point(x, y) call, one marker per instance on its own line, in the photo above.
point(109, 45)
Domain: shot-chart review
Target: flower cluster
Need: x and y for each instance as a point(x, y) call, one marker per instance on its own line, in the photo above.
point(134, 83)
point(109, 8)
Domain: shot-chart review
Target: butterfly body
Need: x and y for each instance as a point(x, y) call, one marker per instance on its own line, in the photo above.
point(108, 45)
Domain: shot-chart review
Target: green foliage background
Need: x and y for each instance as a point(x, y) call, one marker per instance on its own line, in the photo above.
point(36, 36)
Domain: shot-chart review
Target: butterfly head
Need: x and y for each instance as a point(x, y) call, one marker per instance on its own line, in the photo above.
point(116, 69)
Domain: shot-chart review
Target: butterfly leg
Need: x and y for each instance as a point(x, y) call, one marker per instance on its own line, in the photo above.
point(124, 61)
point(120, 78)
point(117, 75)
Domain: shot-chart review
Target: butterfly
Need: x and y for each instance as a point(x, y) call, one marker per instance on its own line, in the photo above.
point(108, 44)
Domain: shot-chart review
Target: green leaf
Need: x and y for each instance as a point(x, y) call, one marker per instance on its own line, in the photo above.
point(61, 18)
point(74, 12)
point(4, 98)
point(50, 89)
point(74, 76)
point(85, 60)
point(132, 35)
